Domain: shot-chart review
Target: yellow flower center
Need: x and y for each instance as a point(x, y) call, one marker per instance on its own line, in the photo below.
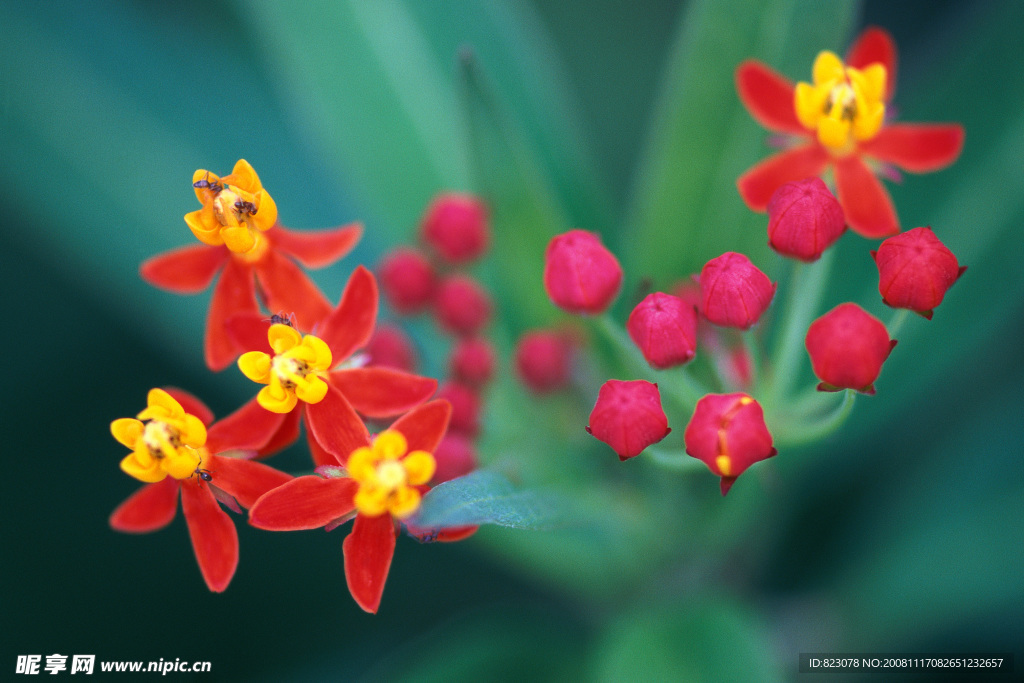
point(844, 105)
point(387, 476)
point(235, 210)
point(165, 440)
point(297, 370)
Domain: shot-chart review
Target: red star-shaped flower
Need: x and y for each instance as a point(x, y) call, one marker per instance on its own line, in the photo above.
point(172, 451)
point(839, 122)
point(238, 226)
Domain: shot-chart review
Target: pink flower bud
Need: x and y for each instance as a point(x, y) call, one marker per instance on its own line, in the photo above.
point(462, 306)
point(543, 361)
point(804, 219)
point(628, 416)
point(455, 226)
point(847, 346)
point(455, 457)
point(734, 292)
point(664, 328)
point(407, 280)
point(390, 347)
point(580, 274)
point(472, 361)
point(914, 270)
point(465, 402)
point(728, 434)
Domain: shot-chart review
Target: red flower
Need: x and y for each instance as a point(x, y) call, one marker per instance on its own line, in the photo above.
point(455, 226)
point(838, 122)
point(628, 416)
point(804, 219)
point(734, 292)
point(727, 432)
point(664, 328)
point(580, 274)
point(915, 270)
point(297, 371)
point(847, 346)
point(387, 479)
point(174, 450)
point(256, 260)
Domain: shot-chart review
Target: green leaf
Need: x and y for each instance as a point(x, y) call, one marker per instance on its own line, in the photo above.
point(486, 497)
point(686, 208)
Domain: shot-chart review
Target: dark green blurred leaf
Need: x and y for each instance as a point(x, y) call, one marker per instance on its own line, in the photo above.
point(485, 497)
point(686, 208)
point(707, 640)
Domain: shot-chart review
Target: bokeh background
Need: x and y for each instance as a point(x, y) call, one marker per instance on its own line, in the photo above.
point(901, 533)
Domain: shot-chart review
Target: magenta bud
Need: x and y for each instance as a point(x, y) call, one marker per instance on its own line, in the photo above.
point(915, 270)
point(664, 328)
point(390, 347)
point(580, 274)
point(728, 434)
point(472, 361)
point(455, 457)
point(462, 306)
point(543, 360)
point(734, 293)
point(804, 219)
point(455, 226)
point(847, 346)
point(628, 416)
point(407, 280)
point(465, 402)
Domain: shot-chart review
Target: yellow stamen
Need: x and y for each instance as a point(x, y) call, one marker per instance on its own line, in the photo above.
point(844, 106)
point(387, 476)
point(296, 372)
point(169, 442)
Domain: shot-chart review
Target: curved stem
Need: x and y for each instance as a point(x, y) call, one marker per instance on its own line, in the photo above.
point(802, 432)
point(679, 461)
point(896, 322)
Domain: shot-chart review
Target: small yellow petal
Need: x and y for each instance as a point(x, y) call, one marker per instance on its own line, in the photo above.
point(311, 390)
point(419, 467)
point(126, 430)
point(244, 175)
point(809, 102)
point(151, 474)
point(238, 239)
point(390, 444)
point(834, 133)
point(182, 464)
point(404, 502)
point(276, 398)
point(204, 225)
point(872, 79)
point(283, 337)
point(322, 357)
point(869, 122)
point(266, 211)
point(193, 432)
point(255, 365)
point(361, 465)
point(370, 501)
point(827, 68)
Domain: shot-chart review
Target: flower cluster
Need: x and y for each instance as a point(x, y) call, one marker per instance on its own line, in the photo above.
point(309, 358)
point(836, 123)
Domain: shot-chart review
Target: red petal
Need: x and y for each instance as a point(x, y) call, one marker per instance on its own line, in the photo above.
point(866, 203)
point(456, 533)
point(424, 427)
point(288, 289)
point(336, 427)
point(191, 404)
point(246, 480)
point(350, 325)
point(308, 502)
point(248, 331)
point(235, 293)
point(383, 392)
point(150, 508)
point(875, 45)
point(368, 552)
point(186, 270)
point(285, 436)
point(320, 456)
point(250, 428)
point(768, 96)
point(214, 538)
point(915, 147)
point(319, 248)
point(759, 183)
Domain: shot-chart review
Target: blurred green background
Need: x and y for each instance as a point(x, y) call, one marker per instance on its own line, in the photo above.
point(901, 533)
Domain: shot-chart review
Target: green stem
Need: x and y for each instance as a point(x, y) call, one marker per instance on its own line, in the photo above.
point(806, 287)
point(896, 322)
point(679, 461)
point(801, 432)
